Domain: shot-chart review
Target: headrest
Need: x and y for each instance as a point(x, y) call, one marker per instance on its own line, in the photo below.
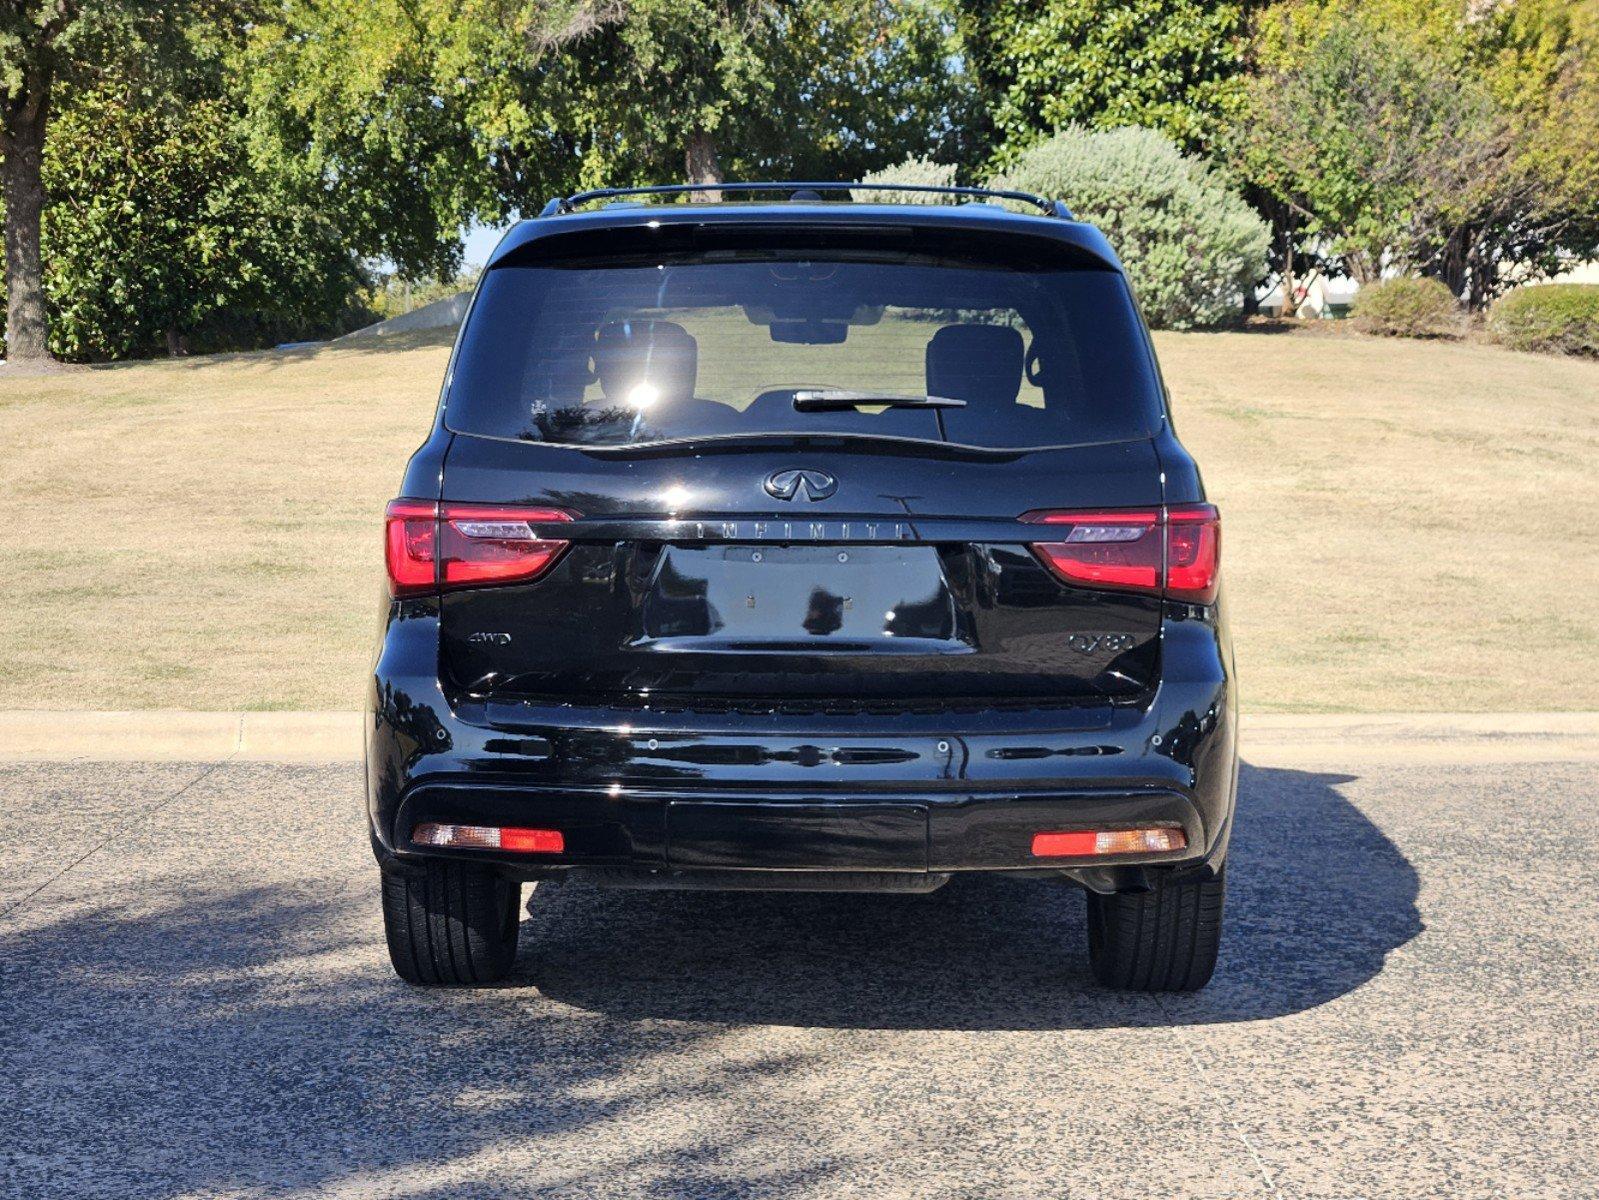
point(645, 362)
point(980, 364)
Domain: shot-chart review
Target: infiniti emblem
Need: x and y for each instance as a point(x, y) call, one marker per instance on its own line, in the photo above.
point(800, 481)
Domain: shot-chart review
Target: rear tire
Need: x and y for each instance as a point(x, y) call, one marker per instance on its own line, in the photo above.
point(1163, 940)
point(450, 924)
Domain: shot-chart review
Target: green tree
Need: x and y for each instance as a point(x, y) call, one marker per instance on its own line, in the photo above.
point(1539, 60)
point(1365, 135)
point(403, 116)
point(1171, 65)
point(416, 117)
point(159, 233)
point(774, 88)
point(1440, 138)
point(672, 79)
point(865, 83)
point(46, 48)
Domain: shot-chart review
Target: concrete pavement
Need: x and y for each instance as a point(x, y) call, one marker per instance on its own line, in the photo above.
point(195, 1001)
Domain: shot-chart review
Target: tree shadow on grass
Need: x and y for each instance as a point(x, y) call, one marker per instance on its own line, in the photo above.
point(1317, 899)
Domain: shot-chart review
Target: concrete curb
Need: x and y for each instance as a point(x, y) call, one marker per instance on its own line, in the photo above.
point(167, 736)
point(1420, 738)
point(307, 737)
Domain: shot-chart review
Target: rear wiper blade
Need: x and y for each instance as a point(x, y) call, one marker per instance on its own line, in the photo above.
point(836, 399)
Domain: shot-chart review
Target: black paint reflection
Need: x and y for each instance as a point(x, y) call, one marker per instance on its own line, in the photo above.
point(824, 614)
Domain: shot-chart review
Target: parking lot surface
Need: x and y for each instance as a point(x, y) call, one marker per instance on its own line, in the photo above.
point(195, 1001)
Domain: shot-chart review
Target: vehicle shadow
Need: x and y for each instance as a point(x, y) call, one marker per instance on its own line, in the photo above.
point(189, 1033)
point(251, 1041)
point(1317, 897)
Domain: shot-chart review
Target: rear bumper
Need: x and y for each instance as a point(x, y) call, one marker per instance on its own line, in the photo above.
point(681, 795)
point(676, 832)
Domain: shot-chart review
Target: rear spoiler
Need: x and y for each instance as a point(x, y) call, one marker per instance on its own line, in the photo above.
point(994, 234)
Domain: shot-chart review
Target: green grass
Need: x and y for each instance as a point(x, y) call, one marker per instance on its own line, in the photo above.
point(1407, 524)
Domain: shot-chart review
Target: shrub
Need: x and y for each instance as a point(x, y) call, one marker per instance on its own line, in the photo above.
point(1407, 306)
point(919, 172)
point(1562, 318)
point(160, 235)
point(1191, 246)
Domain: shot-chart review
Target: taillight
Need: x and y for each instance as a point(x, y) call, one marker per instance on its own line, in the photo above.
point(1176, 551)
point(431, 547)
point(411, 537)
point(481, 544)
point(1193, 552)
point(1105, 549)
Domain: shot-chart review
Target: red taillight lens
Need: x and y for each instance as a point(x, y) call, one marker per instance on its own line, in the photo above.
point(436, 546)
point(1141, 550)
point(411, 545)
point(1193, 552)
point(1105, 549)
point(481, 544)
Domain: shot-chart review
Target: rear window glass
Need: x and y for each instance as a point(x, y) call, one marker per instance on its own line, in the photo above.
point(719, 345)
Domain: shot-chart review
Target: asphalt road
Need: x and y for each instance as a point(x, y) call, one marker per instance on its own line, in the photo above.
point(195, 1001)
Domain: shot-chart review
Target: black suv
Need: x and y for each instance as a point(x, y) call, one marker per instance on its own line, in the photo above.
point(804, 543)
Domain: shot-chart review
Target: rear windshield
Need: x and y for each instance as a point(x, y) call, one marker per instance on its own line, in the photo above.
point(727, 344)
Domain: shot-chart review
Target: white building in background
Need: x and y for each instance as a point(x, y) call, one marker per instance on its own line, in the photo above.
point(1586, 273)
point(1329, 298)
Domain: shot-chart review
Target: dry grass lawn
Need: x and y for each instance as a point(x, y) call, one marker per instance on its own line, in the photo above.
point(1408, 525)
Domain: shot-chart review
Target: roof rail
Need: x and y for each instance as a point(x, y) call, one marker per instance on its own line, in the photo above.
point(560, 205)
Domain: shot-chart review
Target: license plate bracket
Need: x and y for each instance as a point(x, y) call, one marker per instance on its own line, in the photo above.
point(797, 837)
point(827, 596)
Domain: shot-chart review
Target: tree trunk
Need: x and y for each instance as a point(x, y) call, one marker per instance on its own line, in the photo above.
point(22, 142)
point(1365, 268)
point(1290, 309)
point(1457, 256)
point(1482, 275)
point(1481, 289)
point(702, 164)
